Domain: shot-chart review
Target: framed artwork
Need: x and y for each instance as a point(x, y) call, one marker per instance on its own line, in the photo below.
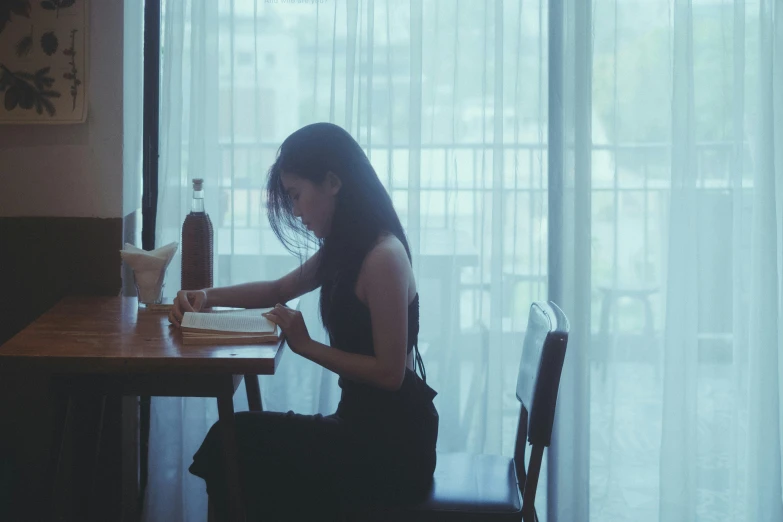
point(43, 61)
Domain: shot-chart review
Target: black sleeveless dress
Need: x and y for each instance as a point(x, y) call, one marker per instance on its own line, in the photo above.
point(377, 449)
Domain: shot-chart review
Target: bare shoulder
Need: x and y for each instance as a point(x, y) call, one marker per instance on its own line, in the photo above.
point(388, 252)
point(387, 262)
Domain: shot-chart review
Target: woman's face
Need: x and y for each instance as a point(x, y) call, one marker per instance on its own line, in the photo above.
point(312, 202)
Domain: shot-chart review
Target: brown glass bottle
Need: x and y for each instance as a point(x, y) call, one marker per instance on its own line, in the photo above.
point(197, 243)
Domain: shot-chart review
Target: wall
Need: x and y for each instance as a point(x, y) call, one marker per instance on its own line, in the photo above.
point(73, 170)
point(65, 209)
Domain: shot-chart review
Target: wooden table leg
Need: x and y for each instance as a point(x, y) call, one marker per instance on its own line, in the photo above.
point(253, 393)
point(88, 417)
point(96, 454)
point(230, 457)
point(61, 402)
point(144, 444)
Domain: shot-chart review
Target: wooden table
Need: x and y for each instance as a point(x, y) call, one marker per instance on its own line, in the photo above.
point(106, 345)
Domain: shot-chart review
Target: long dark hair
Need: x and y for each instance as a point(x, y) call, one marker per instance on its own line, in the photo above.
point(363, 209)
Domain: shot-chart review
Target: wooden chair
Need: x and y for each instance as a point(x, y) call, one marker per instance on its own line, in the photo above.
point(493, 488)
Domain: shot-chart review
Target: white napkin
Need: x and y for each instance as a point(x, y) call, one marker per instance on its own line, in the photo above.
point(149, 268)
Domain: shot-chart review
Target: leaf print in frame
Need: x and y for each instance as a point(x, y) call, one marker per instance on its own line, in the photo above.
point(25, 90)
point(45, 75)
point(25, 45)
point(13, 7)
point(72, 75)
point(56, 5)
point(49, 43)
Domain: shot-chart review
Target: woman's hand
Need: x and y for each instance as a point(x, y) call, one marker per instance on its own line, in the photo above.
point(293, 326)
point(187, 301)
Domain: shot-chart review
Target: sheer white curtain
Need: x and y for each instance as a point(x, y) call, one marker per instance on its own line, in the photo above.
point(671, 138)
point(648, 208)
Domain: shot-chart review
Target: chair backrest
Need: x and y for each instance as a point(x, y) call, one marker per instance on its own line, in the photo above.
point(543, 353)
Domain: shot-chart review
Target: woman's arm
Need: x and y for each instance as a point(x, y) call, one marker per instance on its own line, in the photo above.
point(386, 274)
point(360, 368)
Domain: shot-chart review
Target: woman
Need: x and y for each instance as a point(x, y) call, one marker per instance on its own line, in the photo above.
point(378, 448)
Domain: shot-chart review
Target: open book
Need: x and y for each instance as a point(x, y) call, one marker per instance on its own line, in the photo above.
point(229, 327)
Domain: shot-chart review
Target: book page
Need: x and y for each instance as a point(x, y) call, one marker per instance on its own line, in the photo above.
point(233, 335)
point(241, 321)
